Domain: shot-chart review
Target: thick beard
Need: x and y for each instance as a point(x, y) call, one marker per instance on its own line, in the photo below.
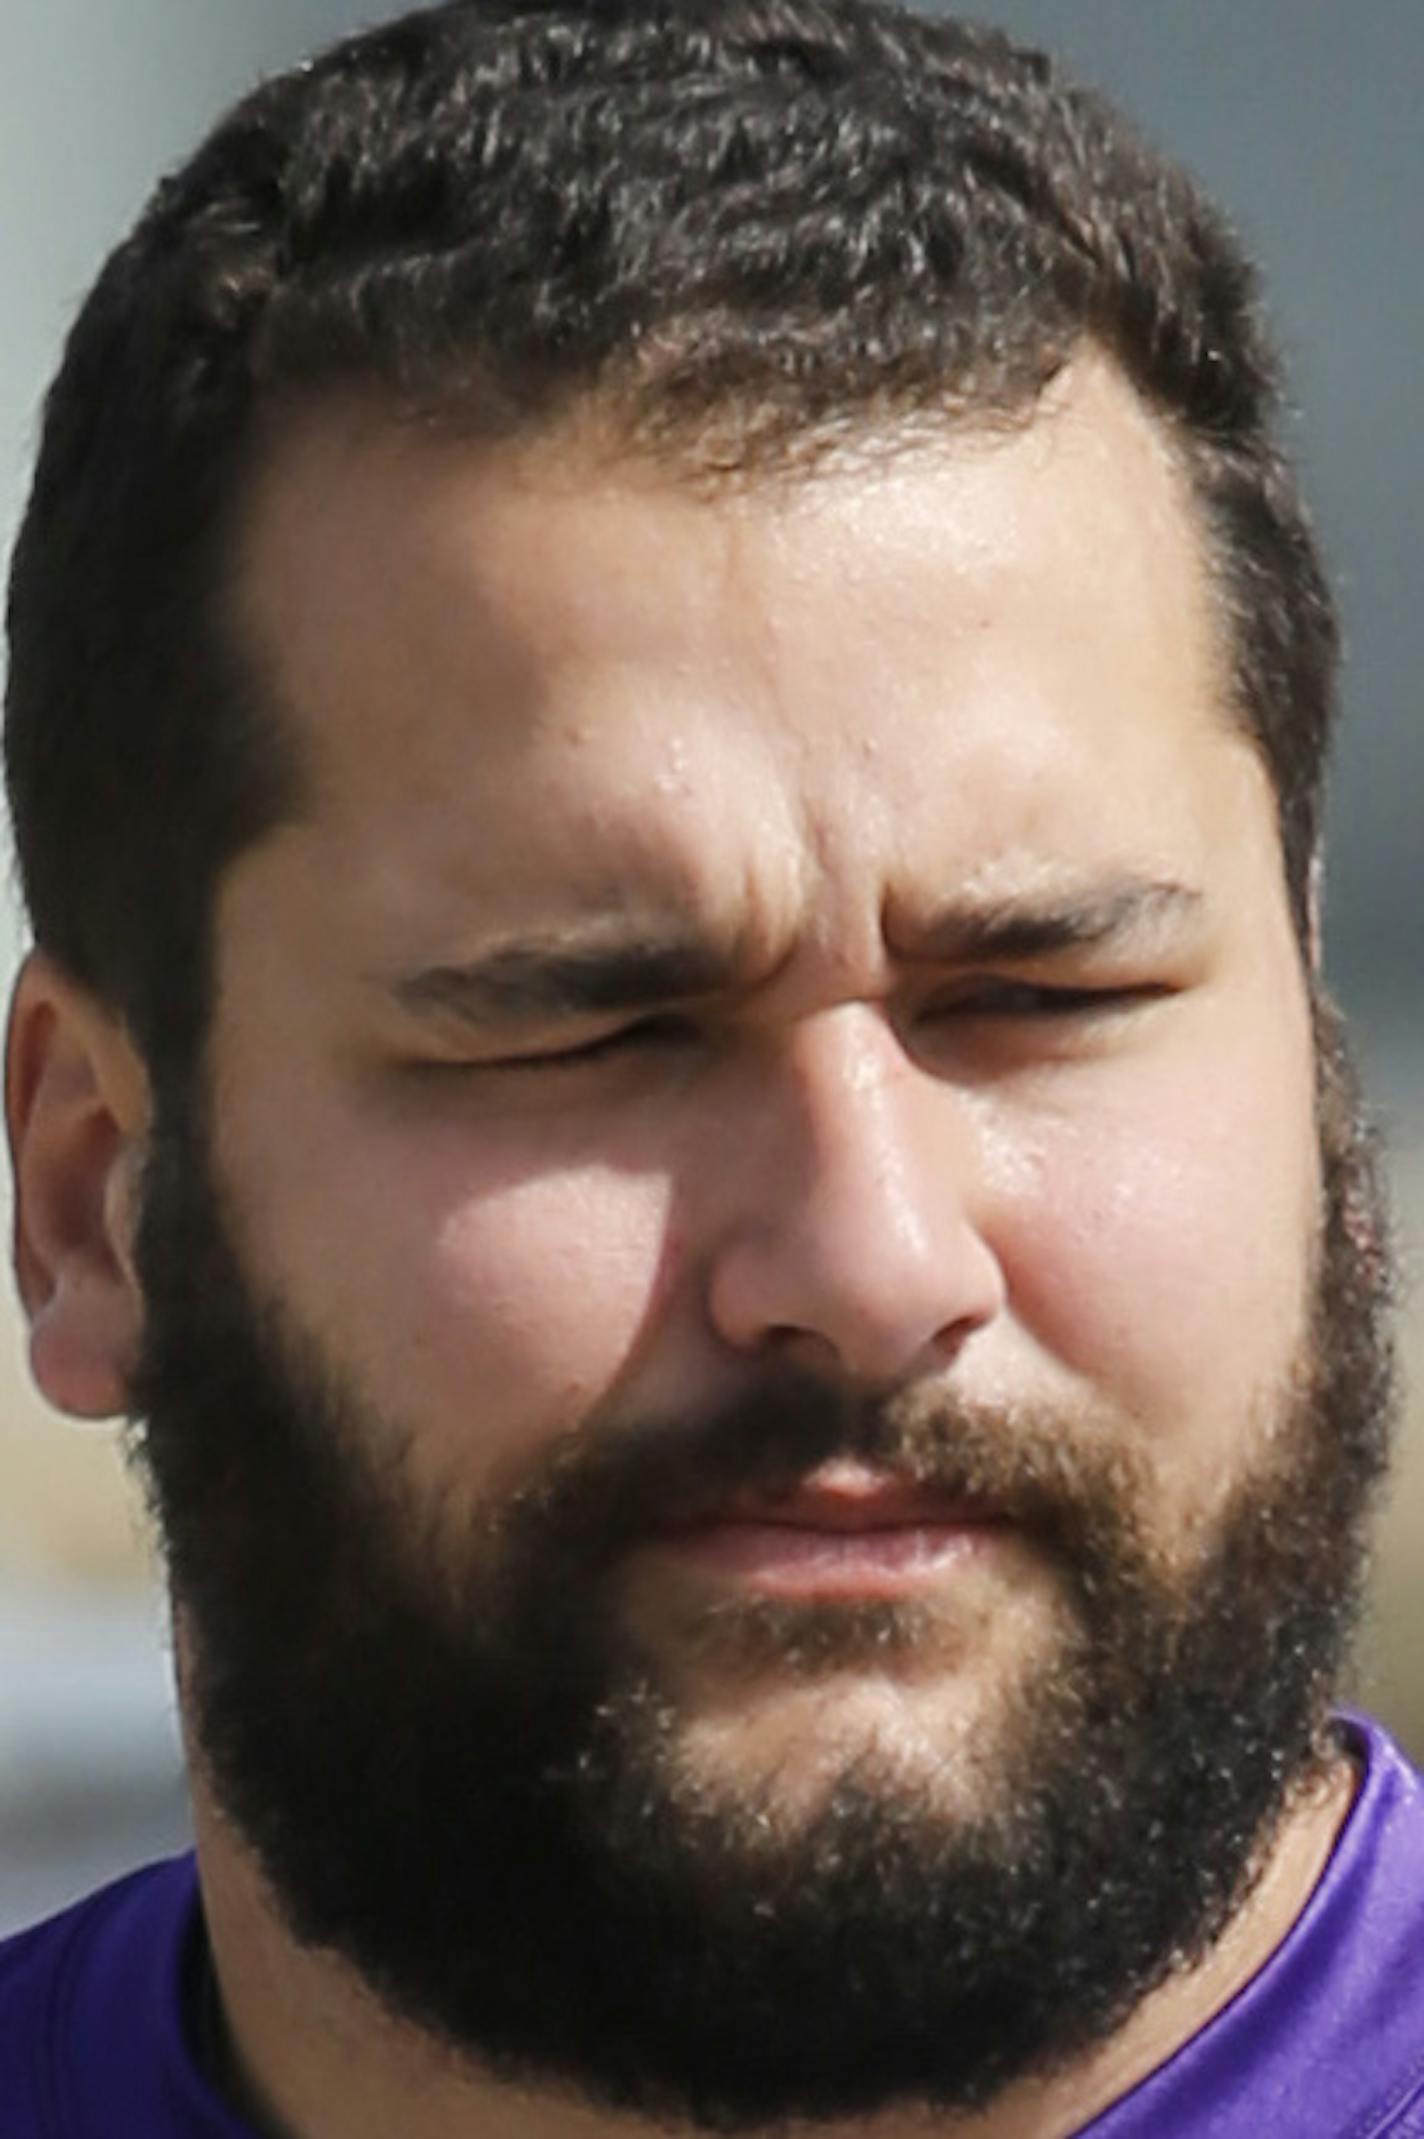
point(459, 1771)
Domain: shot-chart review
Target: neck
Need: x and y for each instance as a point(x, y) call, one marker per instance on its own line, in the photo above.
point(310, 2054)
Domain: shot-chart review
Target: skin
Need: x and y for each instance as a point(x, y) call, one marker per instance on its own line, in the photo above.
point(811, 731)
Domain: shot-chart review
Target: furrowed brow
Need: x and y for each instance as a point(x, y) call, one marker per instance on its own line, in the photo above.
point(1014, 930)
point(545, 978)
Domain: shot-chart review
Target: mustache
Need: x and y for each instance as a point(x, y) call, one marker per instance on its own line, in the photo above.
point(1071, 1480)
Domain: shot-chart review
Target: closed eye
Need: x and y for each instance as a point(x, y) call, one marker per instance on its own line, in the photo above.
point(1017, 1008)
point(1023, 998)
point(986, 1002)
point(642, 1035)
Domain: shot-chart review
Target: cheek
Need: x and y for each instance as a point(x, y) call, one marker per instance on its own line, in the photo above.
point(481, 1305)
point(1159, 1246)
point(539, 1295)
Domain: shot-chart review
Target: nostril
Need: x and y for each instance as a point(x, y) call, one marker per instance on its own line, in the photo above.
point(783, 1294)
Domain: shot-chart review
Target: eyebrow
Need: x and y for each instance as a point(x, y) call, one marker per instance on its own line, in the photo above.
point(561, 975)
point(558, 976)
point(1100, 917)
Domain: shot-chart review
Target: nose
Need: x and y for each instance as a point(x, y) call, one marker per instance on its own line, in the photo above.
point(851, 1242)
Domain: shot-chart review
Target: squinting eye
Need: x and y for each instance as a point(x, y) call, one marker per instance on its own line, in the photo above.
point(1029, 999)
point(1023, 999)
point(643, 1034)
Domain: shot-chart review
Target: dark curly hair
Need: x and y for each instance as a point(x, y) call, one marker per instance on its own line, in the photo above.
point(751, 227)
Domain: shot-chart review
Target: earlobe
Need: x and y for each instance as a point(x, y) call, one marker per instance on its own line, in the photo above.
point(77, 1111)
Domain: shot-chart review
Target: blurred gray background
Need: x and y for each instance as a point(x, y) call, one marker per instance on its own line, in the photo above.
point(1303, 116)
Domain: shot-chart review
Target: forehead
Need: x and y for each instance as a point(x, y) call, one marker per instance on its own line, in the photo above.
point(558, 671)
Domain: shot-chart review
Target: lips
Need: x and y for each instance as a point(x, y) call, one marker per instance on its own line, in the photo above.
point(844, 1531)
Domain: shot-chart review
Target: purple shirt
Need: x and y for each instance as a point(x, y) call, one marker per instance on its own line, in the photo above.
point(1325, 2042)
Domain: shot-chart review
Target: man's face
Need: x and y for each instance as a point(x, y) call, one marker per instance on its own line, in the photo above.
point(785, 994)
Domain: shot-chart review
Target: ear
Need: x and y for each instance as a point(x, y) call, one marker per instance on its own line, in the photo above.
point(77, 1110)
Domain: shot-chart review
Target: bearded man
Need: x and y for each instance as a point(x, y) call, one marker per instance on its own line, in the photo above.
point(666, 724)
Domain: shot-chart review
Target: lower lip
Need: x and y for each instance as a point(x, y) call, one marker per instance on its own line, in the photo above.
point(799, 1560)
